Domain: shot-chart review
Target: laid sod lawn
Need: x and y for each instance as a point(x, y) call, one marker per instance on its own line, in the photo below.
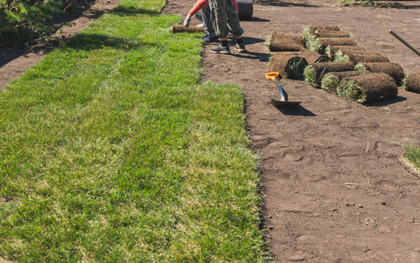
point(112, 151)
point(412, 158)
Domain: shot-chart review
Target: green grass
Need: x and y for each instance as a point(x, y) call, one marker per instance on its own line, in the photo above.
point(310, 42)
point(310, 76)
point(412, 156)
point(295, 68)
point(330, 83)
point(113, 152)
point(359, 67)
point(340, 58)
point(351, 90)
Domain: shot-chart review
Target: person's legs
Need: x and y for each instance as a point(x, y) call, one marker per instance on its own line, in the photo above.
point(234, 26)
point(208, 23)
point(219, 17)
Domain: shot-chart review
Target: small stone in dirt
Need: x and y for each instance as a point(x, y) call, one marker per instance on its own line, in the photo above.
point(383, 203)
point(360, 206)
point(316, 215)
point(334, 209)
point(296, 191)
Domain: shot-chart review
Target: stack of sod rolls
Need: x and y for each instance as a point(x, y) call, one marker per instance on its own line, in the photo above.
point(331, 80)
point(317, 37)
point(394, 70)
point(368, 88)
point(285, 42)
point(288, 65)
point(313, 74)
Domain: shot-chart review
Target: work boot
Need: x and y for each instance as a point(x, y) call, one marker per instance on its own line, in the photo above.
point(219, 49)
point(240, 47)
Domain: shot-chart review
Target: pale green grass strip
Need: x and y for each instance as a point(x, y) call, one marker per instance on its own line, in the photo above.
point(111, 152)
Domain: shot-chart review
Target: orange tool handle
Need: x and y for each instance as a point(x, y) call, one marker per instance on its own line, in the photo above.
point(272, 76)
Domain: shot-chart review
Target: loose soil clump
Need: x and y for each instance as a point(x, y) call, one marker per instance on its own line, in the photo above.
point(413, 81)
point(183, 29)
point(395, 70)
point(331, 80)
point(368, 88)
point(288, 65)
point(285, 42)
point(314, 73)
point(313, 57)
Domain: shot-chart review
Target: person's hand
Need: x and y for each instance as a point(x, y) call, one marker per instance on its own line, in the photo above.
point(187, 21)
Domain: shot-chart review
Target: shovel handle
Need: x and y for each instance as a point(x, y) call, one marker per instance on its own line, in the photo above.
point(404, 42)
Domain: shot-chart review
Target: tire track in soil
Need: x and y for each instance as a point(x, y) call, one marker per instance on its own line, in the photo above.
point(333, 188)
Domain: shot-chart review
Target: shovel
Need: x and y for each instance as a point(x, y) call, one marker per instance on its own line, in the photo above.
point(283, 95)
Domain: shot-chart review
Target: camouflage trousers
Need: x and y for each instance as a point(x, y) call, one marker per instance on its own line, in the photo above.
point(225, 18)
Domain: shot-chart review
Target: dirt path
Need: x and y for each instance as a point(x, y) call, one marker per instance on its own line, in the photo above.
point(334, 190)
point(14, 63)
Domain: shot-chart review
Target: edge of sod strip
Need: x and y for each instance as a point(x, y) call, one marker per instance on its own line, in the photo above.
point(113, 151)
point(411, 160)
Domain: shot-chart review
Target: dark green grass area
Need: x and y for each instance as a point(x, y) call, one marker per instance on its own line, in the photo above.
point(111, 152)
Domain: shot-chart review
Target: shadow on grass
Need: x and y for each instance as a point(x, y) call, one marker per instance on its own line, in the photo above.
point(96, 41)
point(129, 10)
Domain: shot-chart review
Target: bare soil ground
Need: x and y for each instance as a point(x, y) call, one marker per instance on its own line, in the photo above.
point(333, 188)
point(14, 62)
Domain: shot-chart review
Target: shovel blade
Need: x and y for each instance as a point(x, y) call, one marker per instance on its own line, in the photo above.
point(285, 103)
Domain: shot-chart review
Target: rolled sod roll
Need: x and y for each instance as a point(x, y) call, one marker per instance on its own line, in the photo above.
point(359, 58)
point(183, 29)
point(287, 65)
point(332, 50)
point(412, 82)
point(314, 28)
point(347, 55)
point(331, 34)
point(314, 73)
point(394, 70)
point(313, 57)
point(331, 80)
point(368, 88)
point(285, 42)
point(325, 42)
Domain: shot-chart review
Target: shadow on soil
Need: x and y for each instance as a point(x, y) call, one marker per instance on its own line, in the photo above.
point(386, 102)
point(295, 111)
